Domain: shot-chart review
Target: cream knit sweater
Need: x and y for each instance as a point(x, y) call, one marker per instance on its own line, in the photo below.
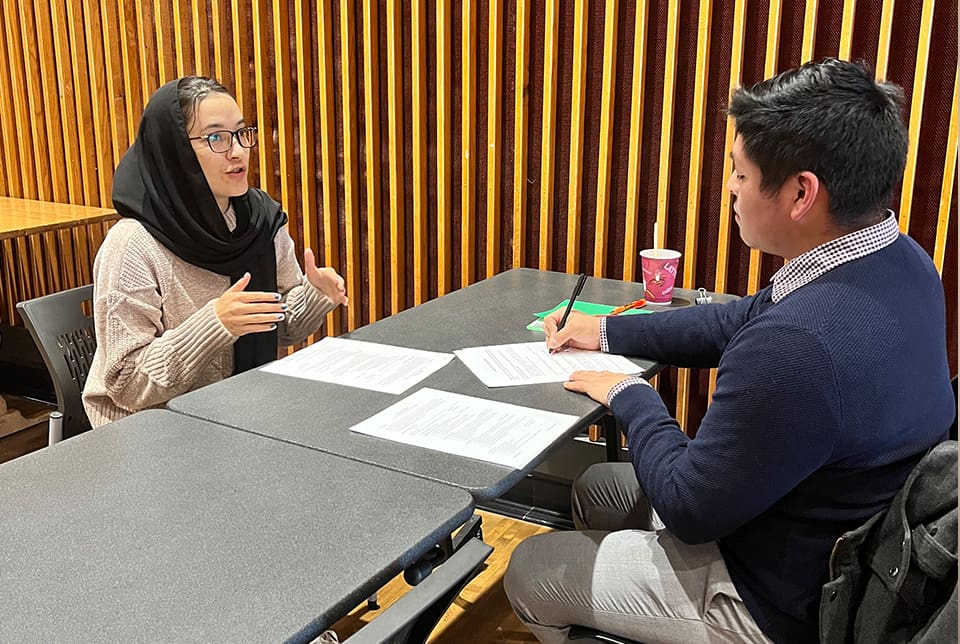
point(158, 335)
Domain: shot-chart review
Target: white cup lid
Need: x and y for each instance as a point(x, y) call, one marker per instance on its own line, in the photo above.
point(660, 253)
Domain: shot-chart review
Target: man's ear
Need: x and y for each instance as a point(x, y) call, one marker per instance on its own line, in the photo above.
point(806, 189)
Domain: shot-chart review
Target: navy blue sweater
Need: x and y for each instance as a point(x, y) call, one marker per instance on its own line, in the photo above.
point(824, 402)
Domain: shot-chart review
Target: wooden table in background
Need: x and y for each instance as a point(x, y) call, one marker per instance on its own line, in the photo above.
point(47, 247)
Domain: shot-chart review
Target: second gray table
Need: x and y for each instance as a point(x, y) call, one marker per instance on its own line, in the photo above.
point(165, 528)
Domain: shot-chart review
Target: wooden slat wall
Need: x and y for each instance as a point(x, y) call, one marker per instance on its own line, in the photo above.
point(395, 159)
point(577, 125)
point(327, 140)
point(468, 142)
point(444, 124)
point(631, 243)
point(372, 116)
point(494, 125)
point(916, 114)
point(521, 134)
point(419, 46)
point(420, 146)
point(351, 188)
point(548, 136)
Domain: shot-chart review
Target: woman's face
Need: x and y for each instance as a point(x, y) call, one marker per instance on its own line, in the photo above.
point(226, 172)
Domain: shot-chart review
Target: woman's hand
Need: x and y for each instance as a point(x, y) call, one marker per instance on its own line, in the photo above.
point(326, 280)
point(580, 332)
point(243, 312)
point(596, 384)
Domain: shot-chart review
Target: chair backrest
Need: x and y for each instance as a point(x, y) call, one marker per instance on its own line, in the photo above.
point(411, 618)
point(64, 334)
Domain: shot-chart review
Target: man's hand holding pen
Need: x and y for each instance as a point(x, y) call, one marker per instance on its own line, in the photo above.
point(577, 330)
point(581, 280)
point(580, 332)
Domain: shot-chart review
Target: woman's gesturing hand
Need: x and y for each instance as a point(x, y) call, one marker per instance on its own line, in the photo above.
point(243, 312)
point(326, 280)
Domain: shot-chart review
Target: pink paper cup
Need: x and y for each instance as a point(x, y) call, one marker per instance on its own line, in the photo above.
point(659, 267)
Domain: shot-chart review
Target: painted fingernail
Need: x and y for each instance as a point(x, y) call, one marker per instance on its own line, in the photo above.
point(276, 296)
point(280, 316)
point(273, 326)
point(283, 307)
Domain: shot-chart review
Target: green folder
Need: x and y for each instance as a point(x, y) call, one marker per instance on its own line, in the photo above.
point(590, 308)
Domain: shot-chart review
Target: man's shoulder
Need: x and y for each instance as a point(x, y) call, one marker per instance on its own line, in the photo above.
point(895, 271)
point(916, 258)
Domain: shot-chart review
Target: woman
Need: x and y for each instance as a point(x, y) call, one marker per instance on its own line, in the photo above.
point(199, 279)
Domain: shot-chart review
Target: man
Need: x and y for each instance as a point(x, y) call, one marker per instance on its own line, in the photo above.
point(832, 382)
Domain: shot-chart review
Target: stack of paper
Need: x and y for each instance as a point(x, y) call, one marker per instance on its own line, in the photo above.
point(486, 430)
point(366, 365)
point(528, 363)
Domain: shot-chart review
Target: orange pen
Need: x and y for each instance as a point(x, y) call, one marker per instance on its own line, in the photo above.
point(636, 304)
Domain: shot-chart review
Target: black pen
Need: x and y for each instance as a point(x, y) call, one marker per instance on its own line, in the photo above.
point(573, 297)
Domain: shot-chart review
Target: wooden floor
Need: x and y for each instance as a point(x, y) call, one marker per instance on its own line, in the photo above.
point(480, 614)
point(23, 442)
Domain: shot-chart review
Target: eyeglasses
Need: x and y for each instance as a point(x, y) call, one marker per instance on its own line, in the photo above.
point(222, 140)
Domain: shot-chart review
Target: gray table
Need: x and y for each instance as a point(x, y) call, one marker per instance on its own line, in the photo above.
point(161, 527)
point(493, 311)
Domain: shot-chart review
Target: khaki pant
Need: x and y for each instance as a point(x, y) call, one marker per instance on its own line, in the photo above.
point(624, 574)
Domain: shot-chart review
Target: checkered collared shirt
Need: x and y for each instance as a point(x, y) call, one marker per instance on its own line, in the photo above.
point(807, 267)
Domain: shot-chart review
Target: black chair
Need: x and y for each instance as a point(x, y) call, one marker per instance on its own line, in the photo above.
point(64, 334)
point(412, 617)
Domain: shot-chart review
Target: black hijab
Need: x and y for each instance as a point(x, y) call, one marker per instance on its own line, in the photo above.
point(160, 183)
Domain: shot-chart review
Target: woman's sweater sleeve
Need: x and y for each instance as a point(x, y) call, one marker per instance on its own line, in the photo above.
point(306, 306)
point(146, 364)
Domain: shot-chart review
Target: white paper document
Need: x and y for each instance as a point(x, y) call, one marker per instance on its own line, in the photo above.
point(366, 365)
point(486, 430)
point(528, 363)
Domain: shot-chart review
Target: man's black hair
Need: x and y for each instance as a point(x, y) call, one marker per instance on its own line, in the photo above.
point(833, 119)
